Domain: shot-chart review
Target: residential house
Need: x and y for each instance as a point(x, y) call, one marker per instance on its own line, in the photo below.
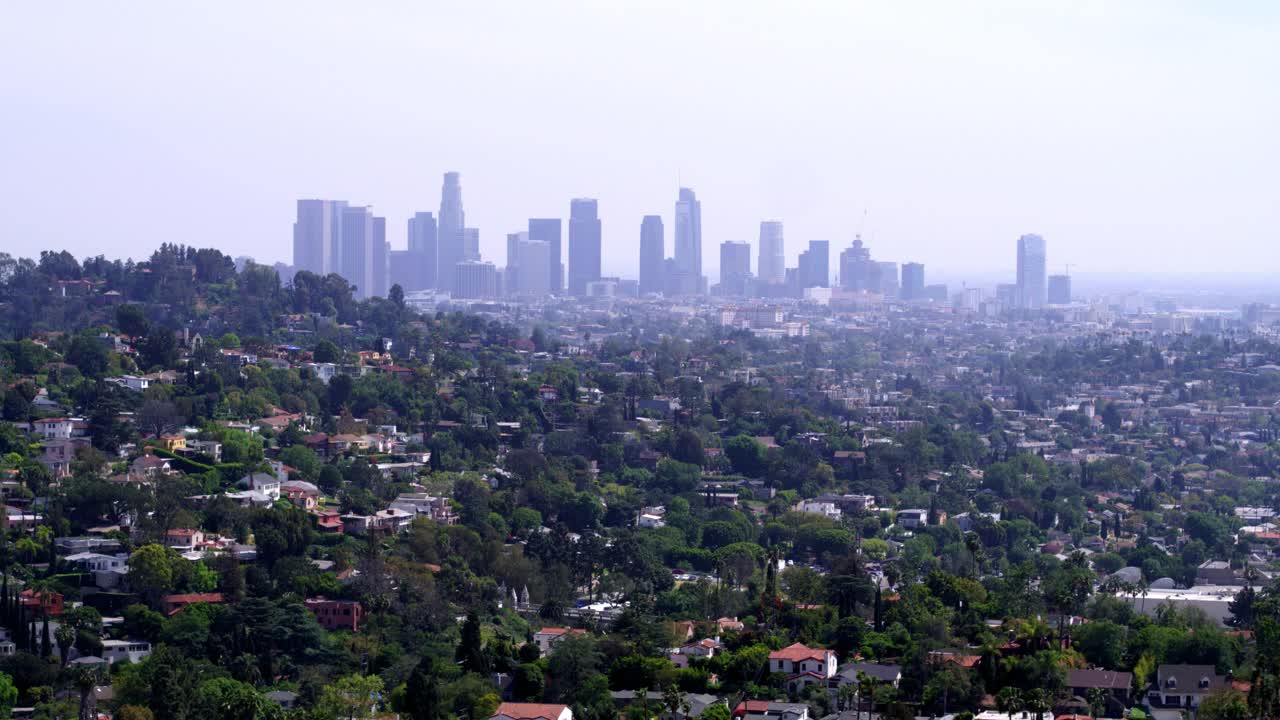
point(912, 518)
point(888, 675)
point(547, 637)
point(268, 485)
point(114, 651)
point(803, 665)
point(391, 520)
point(532, 711)
point(769, 710)
point(1115, 685)
point(54, 428)
point(1184, 686)
point(172, 604)
point(184, 539)
point(301, 493)
point(47, 603)
point(336, 614)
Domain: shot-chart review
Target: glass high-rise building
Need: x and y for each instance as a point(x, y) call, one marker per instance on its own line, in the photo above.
point(1031, 272)
point(548, 230)
point(652, 254)
point(533, 262)
point(735, 267)
point(449, 233)
point(317, 236)
point(913, 281)
point(688, 245)
point(423, 246)
point(1059, 290)
point(772, 265)
point(814, 267)
point(888, 278)
point(356, 255)
point(475, 279)
point(584, 244)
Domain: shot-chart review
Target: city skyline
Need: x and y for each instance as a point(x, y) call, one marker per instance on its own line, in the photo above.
point(935, 140)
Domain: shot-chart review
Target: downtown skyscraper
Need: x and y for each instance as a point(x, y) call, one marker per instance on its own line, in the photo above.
point(422, 253)
point(449, 232)
point(356, 255)
point(772, 265)
point(547, 230)
point(584, 244)
point(688, 247)
point(652, 254)
point(913, 281)
point(317, 236)
point(1031, 272)
point(735, 267)
point(814, 267)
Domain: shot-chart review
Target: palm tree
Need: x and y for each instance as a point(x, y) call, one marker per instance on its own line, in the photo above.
point(1097, 698)
point(1038, 701)
point(1009, 701)
point(845, 696)
point(866, 692)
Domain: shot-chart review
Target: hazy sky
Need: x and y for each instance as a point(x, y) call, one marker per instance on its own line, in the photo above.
point(1133, 135)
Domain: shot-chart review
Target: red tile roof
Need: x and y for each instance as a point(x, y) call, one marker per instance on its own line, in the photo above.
point(799, 652)
point(530, 711)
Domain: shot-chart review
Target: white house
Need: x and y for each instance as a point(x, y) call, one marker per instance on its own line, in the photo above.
point(913, 518)
point(803, 665)
point(54, 428)
point(546, 638)
point(114, 651)
point(268, 485)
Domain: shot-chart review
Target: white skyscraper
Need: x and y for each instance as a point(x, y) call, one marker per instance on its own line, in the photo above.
point(688, 258)
point(1031, 272)
point(317, 235)
point(772, 263)
point(449, 233)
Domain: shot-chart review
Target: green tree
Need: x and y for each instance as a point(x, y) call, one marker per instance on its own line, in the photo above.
point(746, 455)
point(151, 571)
point(8, 695)
point(470, 653)
point(1224, 704)
point(350, 697)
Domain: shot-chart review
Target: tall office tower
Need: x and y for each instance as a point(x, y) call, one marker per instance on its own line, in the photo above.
point(449, 238)
point(735, 267)
point(1059, 289)
point(403, 269)
point(470, 243)
point(547, 230)
point(356, 256)
point(423, 246)
point(888, 278)
point(652, 254)
point(317, 235)
point(513, 259)
point(584, 244)
point(475, 279)
point(772, 265)
point(1007, 295)
point(1031, 263)
point(913, 281)
point(814, 268)
point(532, 276)
point(688, 246)
point(381, 256)
point(857, 270)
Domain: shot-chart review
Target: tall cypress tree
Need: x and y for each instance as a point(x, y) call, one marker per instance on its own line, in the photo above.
point(46, 648)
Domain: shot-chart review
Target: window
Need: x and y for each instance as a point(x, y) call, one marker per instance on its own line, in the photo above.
point(1171, 683)
point(1204, 683)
